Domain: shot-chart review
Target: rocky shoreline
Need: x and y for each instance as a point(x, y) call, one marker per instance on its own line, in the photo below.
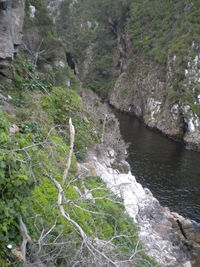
point(166, 236)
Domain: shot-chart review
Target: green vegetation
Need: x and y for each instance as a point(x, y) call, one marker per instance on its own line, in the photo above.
point(158, 28)
point(33, 146)
point(34, 133)
point(150, 26)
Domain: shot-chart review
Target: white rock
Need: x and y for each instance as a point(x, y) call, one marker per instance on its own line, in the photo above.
point(196, 59)
point(175, 111)
point(153, 106)
point(186, 108)
point(61, 64)
point(192, 119)
point(193, 44)
point(187, 264)
point(96, 25)
point(191, 125)
point(32, 11)
point(111, 153)
point(89, 24)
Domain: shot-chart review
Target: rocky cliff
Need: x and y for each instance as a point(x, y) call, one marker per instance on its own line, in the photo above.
point(11, 25)
point(147, 91)
point(160, 78)
point(143, 57)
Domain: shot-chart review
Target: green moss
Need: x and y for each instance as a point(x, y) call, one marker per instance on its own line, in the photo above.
point(195, 108)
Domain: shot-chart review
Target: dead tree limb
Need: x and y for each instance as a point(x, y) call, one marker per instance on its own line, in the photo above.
point(62, 211)
point(84, 237)
point(71, 146)
point(26, 238)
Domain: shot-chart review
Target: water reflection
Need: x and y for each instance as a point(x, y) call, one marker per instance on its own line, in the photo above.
point(170, 171)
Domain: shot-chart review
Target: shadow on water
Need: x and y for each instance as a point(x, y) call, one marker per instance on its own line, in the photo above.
point(170, 171)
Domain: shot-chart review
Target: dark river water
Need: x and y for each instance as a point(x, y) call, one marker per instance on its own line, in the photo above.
point(171, 172)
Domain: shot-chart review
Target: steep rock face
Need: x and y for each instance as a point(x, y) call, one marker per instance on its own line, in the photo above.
point(11, 23)
point(147, 91)
point(146, 95)
point(161, 83)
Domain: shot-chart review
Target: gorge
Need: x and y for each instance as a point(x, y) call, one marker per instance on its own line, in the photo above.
point(60, 61)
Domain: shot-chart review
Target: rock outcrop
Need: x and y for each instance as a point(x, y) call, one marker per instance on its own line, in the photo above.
point(147, 91)
point(11, 24)
point(166, 236)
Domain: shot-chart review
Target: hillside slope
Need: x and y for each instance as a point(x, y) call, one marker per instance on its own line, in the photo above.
point(46, 219)
point(142, 56)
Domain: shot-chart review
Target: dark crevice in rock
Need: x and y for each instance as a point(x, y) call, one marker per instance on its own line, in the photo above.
point(3, 74)
point(184, 124)
point(16, 48)
point(181, 228)
point(3, 4)
point(70, 62)
point(14, 4)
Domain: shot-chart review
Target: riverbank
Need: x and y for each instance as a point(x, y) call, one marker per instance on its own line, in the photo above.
point(167, 237)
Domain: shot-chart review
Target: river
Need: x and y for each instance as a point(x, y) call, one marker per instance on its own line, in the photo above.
point(171, 172)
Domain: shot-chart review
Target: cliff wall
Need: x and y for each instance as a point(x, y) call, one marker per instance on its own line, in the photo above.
point(11, 26)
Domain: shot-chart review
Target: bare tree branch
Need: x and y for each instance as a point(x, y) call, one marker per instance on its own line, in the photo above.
point(26, 238)
point(71, 146)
